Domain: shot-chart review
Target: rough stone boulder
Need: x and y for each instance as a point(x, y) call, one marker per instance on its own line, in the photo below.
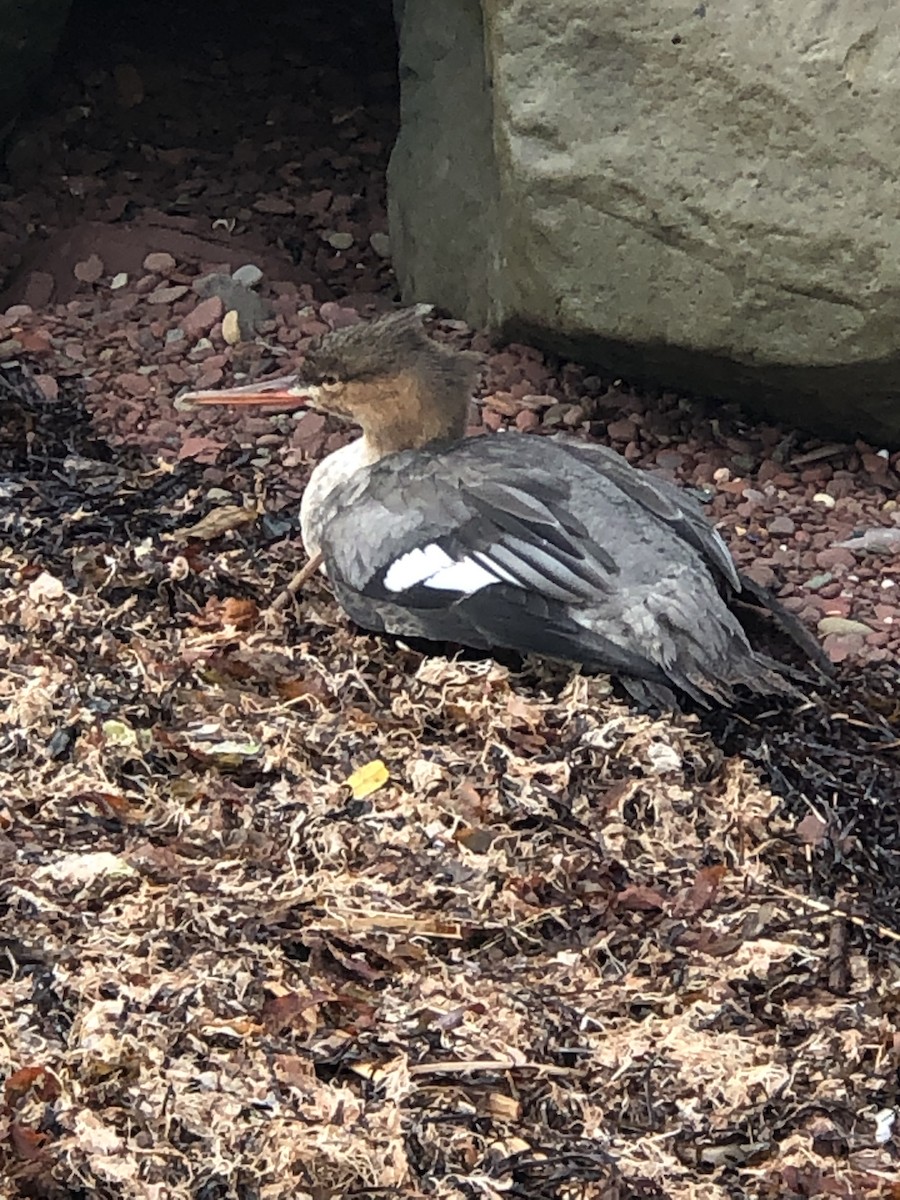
point(701, 194)
point(29, 34)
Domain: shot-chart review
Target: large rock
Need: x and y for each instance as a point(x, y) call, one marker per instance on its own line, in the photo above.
point(699, 194)
point(29, 35)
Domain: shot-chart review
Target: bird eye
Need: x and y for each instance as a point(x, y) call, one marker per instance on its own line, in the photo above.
point(329, 380)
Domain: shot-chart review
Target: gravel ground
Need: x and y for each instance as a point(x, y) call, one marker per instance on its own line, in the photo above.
point(596, 909)
point(142, 196)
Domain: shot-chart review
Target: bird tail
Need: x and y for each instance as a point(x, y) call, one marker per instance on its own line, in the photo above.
point(767, 609)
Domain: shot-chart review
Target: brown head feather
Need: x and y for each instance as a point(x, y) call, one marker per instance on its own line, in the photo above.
point(388, 376)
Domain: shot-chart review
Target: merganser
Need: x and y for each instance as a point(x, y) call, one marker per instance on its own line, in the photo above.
point(545, 545)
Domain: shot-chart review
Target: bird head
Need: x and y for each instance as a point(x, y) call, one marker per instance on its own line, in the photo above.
point(404, 389)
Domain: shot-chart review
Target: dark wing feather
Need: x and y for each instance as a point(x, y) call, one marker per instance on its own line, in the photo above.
point(664, 500)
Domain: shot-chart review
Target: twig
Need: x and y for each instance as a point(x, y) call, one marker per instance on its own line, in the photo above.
point(486, 1064)
point(302, 577)
point(832, 910)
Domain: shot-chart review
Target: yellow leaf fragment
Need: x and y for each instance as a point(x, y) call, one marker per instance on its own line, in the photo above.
point(368, 779)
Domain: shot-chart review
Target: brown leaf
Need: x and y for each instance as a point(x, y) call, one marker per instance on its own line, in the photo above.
point(640, 898)
point(21, 1082)
point(701, 892)
point(27, 1142)
point(313, 686)
point(239, 613)
point(523, 712)
point(111, 802)
point(293, 1010)
point(294, 1071)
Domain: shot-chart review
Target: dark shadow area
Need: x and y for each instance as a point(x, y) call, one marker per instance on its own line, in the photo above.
point(242, 122)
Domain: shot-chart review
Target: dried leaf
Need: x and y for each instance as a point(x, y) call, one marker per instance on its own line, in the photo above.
point(217, 522)
point(239, 613)
point(26, 1079)
point(80, 870)
point(368, 779)
point(523, 712)
point(27, 1143)
point(45, 587)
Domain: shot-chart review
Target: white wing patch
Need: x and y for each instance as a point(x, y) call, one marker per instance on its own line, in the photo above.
point(466, 576)
point(433, 567)
point(415, 567)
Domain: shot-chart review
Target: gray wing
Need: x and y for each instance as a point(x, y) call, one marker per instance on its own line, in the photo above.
point(525, 544)
point(438, 527)
point(667, 502)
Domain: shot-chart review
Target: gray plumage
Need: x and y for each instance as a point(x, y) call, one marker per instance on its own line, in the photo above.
point(616, 570)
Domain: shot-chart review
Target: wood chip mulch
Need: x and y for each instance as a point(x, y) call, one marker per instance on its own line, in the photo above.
point(291, 910)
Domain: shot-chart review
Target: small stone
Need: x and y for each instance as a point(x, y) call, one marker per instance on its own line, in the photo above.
point(252, 310)
point(781, 526)
point(309, 429)
point(527, 420)
point(168, 295)
point(36, 341)
point(555, 414)
point(174, 335)
point(209, 377)
point(339, 241)
point(90, 270)
point(249, 275)
point(118, 281)
point(670, 460)
point(159, 262)
point(840, 647)
point(762, 574)
point(624, 430)
point(48, 385)
point(231, 327)
point(836, 556)
point(338, 316)
point(842, 626)
point(202, 318)
point(816, 582)
point(824, 498)
point(39, 289)
point(275, 205)
point(134, 384)
point(203, 450)
point(381, 244)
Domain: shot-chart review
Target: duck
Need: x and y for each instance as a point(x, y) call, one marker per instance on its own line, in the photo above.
point(553, 546)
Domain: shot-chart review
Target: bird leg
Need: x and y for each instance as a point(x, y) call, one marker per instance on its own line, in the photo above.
point(302, 577)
